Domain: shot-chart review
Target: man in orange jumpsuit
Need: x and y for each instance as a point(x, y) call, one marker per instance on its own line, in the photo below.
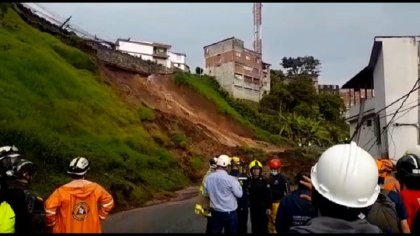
point(78, 206)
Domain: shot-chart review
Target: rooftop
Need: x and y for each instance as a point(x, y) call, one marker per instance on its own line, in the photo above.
point(220, 41)
point(144, 43)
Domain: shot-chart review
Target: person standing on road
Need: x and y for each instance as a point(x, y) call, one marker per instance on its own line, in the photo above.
point(223, 190)
point(259, 199)
point(78, 206)
point(202, 207)
point(31, 215)
point(388, 182)
point(237, 167)
point(279, 186)
point(408, 173)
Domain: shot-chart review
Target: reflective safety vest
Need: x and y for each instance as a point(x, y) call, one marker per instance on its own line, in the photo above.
point(7, 218)
point(202, 206)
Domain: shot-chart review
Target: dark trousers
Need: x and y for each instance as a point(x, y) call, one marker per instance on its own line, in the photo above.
point(242, 220)
point(223, 220)
point(208, 227)
point(259, 221)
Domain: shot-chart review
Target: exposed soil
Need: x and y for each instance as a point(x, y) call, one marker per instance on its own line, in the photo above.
point(210, 133)
point(161, 93)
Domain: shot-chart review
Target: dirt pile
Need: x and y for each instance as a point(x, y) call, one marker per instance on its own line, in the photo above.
point(161, 93)
point(180, 108)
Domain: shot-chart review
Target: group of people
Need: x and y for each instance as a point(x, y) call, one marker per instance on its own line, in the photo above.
point(228, 194)
point(346, 191)
point(76, 207)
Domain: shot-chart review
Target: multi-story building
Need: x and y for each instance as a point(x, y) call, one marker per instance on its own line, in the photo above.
point(178, 60)
point(389, 119)
point(156, 52)
point(240, 71)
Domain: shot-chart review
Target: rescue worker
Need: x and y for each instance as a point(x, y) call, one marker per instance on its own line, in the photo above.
point(202, 207)
point(408, 173)
point(237, 171)
point(78, 206)
point(279, 188)
point(16, 176)
point(341, 203)
point(385, 168)
point(259, 198)
point(8, 155)
point(223, 190)
point(30, 217)
point(390, 187)
point(294, 210)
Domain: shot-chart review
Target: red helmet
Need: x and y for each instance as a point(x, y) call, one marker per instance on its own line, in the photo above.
point(274, 164)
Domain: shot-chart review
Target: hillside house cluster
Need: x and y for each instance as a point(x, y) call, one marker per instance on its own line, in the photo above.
point(151, 51)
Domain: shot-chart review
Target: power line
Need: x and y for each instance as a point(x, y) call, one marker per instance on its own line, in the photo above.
point(410, 108)
point(376, 113)
point(407, 110)
point(396, 112)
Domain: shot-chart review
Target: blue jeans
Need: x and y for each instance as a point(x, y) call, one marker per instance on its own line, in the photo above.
point(223, 220)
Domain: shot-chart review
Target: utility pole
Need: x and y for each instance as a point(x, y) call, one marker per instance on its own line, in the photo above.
point(257, 27)
point(65, 22)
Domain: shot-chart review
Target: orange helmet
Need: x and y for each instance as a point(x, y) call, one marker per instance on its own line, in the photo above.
point(385, 167)
point(274, 164)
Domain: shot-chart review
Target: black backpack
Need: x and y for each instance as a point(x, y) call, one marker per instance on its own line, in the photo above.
point(36, 208)
point(383, 213)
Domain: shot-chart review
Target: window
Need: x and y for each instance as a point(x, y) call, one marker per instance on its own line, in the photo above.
point(238, 76)
point(247, 68)
point(258, 60)
point(369, 123)
point(248, 57)
point(238, 54)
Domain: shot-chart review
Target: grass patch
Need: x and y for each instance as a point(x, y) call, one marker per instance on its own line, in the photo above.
point(54, 108)
point(145, 113)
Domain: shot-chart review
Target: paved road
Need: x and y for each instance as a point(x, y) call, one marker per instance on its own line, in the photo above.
point(170, 217)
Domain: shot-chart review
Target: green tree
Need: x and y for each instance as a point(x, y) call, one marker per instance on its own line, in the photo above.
point(303, 96)
point(307, 65)
point(331, 106)
point(276, 76)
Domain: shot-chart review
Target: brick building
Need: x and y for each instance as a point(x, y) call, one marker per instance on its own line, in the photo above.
point(238, 70)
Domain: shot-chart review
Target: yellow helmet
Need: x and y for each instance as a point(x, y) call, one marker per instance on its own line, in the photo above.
point(236, 160)
point(255, 163)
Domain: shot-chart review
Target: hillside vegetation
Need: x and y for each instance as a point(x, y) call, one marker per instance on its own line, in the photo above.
point(59, 102)
point(55, 108)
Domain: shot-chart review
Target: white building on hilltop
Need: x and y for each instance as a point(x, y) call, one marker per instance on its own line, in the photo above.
point(156, 52)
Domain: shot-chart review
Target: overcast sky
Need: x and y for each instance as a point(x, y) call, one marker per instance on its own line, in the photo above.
point(340, 35)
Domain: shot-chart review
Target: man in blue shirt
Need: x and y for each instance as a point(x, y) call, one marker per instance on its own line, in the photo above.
point(223, 190)
point(295, 210)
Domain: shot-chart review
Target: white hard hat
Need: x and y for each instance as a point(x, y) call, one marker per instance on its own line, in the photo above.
point(78, 166)
point(223, 160)
point(346, 175)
